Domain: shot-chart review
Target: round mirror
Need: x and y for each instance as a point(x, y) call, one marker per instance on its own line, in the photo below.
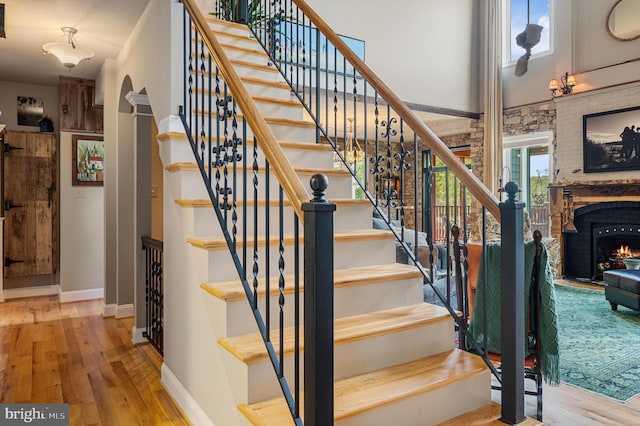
point(623, 22)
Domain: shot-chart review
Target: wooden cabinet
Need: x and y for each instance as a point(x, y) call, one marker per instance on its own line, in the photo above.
point(30, 203)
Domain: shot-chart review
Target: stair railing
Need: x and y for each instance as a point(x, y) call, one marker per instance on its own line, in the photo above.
point(260, 204)
point(337, 87)
point(349, 102)
point(154, 293)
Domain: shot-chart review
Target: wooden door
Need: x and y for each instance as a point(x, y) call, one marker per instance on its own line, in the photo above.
point(29, 203)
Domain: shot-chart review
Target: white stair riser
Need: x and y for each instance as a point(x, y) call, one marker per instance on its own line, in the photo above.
point(244, 41)
point(219, 27)
point(270, 74)
point(236, 319)
point(179, 151)
point(430, 408)
point(281, 131)
point(189, 184)
point(257, 89)
point(355, 357)
point(346, 254)
point(272, 109)
point(205, 222)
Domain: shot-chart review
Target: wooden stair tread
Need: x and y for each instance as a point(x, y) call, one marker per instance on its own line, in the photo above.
point(487, 415)
point(256, 80)
point(250, 348)
point(213, 20)
point(310, 146)
point(231, 291)
point(190, 166)
point(358, 394)
point(270, 120)
point(219, 243)
point(248, 64)
point(205, 202)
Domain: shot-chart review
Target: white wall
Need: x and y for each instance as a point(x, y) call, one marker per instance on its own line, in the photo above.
point(81, 228)
point(9, 91)
point(583, 47)
point(424, 50)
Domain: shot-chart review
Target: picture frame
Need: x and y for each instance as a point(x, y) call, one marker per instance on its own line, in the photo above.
point(87, 162)
point(611, 140)
point(29, 110)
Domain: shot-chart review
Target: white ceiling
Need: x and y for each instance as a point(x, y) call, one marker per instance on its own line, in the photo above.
point(103, 26)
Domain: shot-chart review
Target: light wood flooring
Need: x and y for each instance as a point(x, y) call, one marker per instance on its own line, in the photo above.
point(67, 353)
point(52, 353)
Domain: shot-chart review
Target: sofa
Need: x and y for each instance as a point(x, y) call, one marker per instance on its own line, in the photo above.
point(622, 287)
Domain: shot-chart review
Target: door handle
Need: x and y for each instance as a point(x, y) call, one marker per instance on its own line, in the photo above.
point(8, 261)
point(8, 206)
point(8, 148)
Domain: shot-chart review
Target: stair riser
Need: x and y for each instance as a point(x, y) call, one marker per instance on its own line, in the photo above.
point(282, 132)
point(206, 224)
point(346, 254)
point(235, 318)
point(353, 358)
point(430, 408)
point(188, 184)
point(270, 74)
point(244, 40)
point(256, 89)
point(222, 30)
point(179, 151)
point(268, 109)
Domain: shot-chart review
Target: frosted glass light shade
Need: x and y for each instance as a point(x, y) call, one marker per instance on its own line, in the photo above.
point(67, 52)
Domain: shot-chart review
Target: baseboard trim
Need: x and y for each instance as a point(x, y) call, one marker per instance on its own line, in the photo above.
point(183, 398)
point(109, 310)
point(124, 311)
point(136, 335)
point(41, 290)
point(79, 295)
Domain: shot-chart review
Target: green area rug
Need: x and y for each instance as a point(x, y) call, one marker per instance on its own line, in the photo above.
point(599, 348)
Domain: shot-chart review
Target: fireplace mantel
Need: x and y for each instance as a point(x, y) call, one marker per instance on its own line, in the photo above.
point(567, 197)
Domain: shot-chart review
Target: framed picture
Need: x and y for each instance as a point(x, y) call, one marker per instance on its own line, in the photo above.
point(87, 163)
point(30, 111)
point(612, 140)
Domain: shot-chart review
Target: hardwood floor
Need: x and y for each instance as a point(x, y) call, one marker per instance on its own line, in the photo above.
point(53, 353)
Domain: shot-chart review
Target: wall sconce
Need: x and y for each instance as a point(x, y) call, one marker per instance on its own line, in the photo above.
point(566, 85)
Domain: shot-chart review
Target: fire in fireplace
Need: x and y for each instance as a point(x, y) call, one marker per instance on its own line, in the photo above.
point(614, 245)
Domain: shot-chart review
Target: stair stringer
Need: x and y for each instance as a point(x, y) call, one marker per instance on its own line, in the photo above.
point(190, 351)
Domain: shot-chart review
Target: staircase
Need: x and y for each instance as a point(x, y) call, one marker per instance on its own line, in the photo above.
point(395, 356)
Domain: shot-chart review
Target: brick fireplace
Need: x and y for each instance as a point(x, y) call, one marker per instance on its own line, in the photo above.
point(597, 225)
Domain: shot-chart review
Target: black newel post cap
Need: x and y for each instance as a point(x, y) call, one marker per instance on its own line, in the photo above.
point(511, 188)
point(319, 184)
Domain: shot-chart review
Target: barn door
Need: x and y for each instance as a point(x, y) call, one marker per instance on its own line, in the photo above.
point(29, 203)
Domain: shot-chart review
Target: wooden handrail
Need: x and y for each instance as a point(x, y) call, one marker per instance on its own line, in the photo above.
point(475, 185)
point(279, 163)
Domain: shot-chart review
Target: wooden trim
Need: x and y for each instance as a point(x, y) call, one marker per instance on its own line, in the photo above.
point(280, 164)
point(473, 183)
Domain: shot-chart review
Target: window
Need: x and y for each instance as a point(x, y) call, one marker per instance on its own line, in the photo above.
point(527, 162)
point(515, 21)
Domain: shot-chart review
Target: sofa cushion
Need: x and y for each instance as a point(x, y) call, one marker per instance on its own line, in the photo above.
point(626, 279)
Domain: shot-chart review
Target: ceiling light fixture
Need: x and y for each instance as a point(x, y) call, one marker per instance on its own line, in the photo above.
point(67, 52)
point(352, 151)
point(566, 85)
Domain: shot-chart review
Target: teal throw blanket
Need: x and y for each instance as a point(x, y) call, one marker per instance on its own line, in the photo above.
point(547, 309)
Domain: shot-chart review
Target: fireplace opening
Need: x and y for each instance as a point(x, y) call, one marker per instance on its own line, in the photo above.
point(613, 245)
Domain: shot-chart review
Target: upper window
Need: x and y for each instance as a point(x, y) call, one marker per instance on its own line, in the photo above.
point(515, 13)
